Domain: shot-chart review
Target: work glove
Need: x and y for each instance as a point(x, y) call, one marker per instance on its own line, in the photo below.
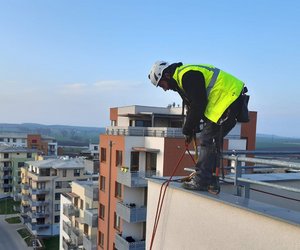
point(188, 138)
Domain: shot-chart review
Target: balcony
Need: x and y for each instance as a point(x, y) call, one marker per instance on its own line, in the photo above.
point(76, 236)
point(145, 131)
point(92, 193)
point(25, 209)
point(40, 191)
point(133, 179)
point(91, 217)
point(69, 210)
point(37, 215)
point(131, 213)
point(90, 242)
point(6, 177)
point(35, 226)
point(67, 227)
point(4, 168)
point(36, 203)
point(24, 218)
point(129, 243)
point(68, 245)
point(25, 186)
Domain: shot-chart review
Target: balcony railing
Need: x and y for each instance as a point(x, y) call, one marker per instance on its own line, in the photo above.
point(67, 227)
point(92, 193)
point(129, 243)
point(37, 203)
point(69, 210)
point(6, 177)
point(25, 186)
point(42, 214)
point(145, 131)
point(91, 217)
point(24, 209)
point(133, 179)
point(68, 245)
point(2, 168)
point(76, 236)
point(90, 242)
point(35, 226)
point(40, 191)
point(131, 213)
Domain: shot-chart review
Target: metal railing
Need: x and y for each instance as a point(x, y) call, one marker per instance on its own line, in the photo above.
point(238, 157)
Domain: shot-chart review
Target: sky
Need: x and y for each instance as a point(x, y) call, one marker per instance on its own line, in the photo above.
point(67, 62)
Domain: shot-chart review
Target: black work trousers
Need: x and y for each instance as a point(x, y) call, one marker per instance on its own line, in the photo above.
point(211, 138)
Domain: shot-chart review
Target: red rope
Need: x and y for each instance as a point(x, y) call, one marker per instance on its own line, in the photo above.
point(162, 196)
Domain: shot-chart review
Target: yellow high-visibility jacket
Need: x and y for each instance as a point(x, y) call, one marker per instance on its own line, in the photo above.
point(222, 88)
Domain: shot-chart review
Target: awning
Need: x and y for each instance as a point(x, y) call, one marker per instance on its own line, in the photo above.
point(143, 149)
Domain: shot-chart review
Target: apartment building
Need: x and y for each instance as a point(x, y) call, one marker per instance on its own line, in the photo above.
point(12, 158)
point(44, 144)
point(13, 139)
point(79, 216)
point(142, 142)
point(42, 184)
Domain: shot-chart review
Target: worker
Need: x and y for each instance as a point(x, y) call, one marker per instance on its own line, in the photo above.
point(211, 96)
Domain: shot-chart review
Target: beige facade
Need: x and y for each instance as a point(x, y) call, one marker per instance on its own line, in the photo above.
point(42, 184)
point(11, 161)
point(78, 216)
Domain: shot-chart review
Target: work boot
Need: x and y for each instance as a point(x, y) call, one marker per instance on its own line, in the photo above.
point(196, 184)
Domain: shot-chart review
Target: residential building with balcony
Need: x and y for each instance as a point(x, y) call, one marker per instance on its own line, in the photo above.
point(143, 142)
point(12, 159)
point(79, 216)
point(44, 144)
point(42, 184)
point(13, 139)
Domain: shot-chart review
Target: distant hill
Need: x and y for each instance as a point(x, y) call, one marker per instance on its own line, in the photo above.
point(274, 142)
point(65, 135)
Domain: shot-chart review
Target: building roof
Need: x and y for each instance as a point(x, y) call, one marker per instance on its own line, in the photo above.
point(11, 149)
point(61, 163)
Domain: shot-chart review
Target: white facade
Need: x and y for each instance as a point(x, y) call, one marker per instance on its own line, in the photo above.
point(199, 220)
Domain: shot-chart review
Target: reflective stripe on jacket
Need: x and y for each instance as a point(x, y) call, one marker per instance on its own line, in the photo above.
point(222, 88)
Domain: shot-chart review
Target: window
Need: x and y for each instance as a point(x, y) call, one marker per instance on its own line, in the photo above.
point(57, 207)
point(81, 204)
point(101, 211)
point(101, 239)
point(57, 218)
point(29, 155)
point(41, 185)
point(151, 161)
point(117, 221)
point(118, 190)
point(58, 184)
point(76, 172)
point(14, 140)
point(95, 147)
point(86, 229)
point(134, 161)
point(20, 164)
point(102, 183)
point(118, 158)
point(64, 172)
point(103, 155)
point(34, 141)
point(6, 155)
point(57, 196)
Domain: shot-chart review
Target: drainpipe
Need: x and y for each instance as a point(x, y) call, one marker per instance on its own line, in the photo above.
point(109, 191)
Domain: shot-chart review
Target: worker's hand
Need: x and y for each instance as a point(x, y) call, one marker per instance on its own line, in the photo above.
point(188, 139)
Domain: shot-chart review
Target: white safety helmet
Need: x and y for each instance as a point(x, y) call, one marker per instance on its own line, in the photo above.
point(157, 71)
